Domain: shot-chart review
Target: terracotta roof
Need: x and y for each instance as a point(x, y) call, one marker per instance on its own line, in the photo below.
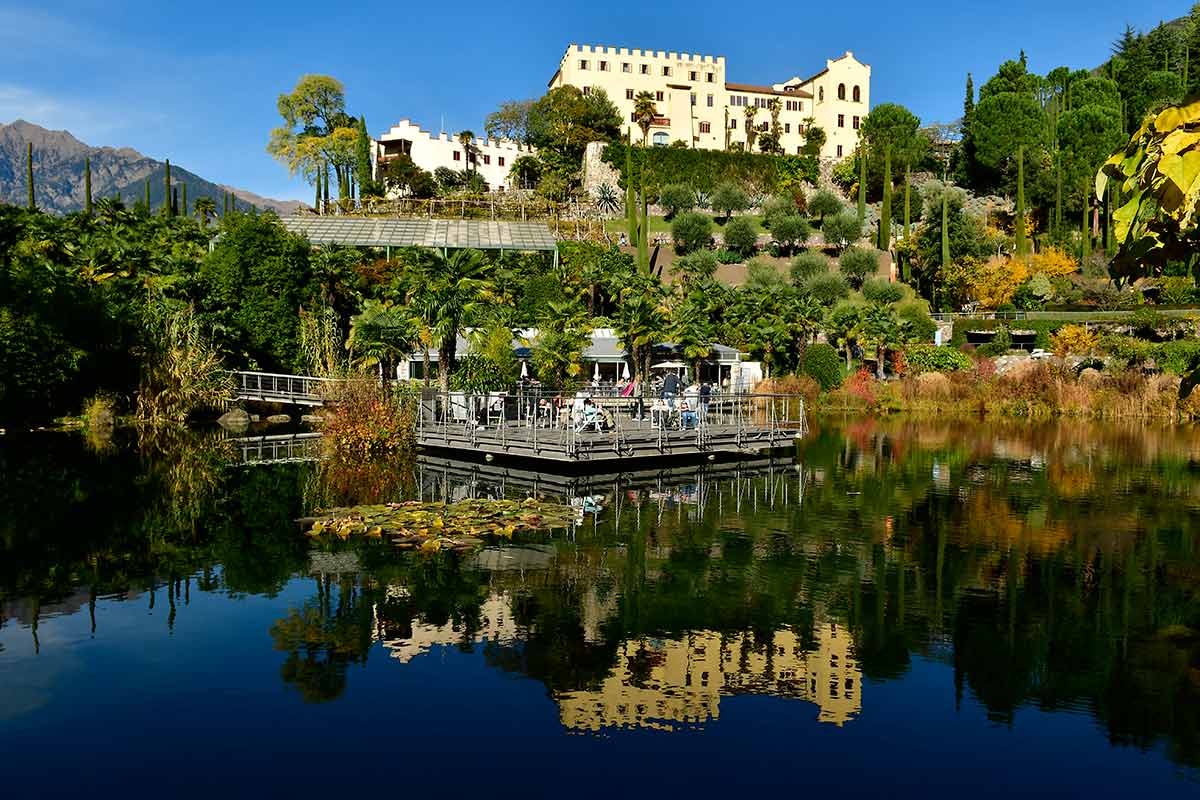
point(749, 87)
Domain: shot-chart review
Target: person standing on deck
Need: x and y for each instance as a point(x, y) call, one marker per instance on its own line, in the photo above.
point(670, 388)
point(705, 396)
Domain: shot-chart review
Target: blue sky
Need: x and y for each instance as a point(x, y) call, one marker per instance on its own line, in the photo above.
point(197, 82)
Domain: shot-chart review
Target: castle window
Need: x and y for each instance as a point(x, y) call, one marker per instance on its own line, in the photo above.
point(626, 66)
point(709, 77)
point(645, 69)
point(487, 159)
point(583, 63)
point(841, 91)
point(604, 66)
point(705, 127)
point(658, 96)
point(587, 90)
point(841, 120)
point(629, 94)
point(787, 127)
point(501, 160)
point(666, 72)
point(457, 155)
point(839, 151)
point(821, 95)
point(857, 95)
point(693, 75)
point(856, 123)
point(710, 101)
point(693, 98)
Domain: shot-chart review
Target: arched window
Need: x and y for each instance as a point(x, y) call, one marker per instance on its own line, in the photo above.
point(821, 95)
point(660, 139)
point(841, 91)
point(857, 95)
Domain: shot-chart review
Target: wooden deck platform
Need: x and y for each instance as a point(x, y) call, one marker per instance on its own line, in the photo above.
point(628, 443)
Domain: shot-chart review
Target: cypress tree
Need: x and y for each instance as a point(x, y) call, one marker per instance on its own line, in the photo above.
point(1019, 227)
point(183, 203)
point(29, 174)
point(630, 194)
point(363, 156)
point(643, 245)
point(168, 199)
point(945, 228)
point(1085, 241)
point(325, 187)
point(1058, 211)
point(862, 185)
point(967, 169)
point(147, 197)
point(907, 219)
point(317, 192)
point(885, 213)
point(175, 201)
point(87, 186)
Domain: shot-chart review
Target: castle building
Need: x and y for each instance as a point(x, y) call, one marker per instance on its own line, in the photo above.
point(697, 105)
point(491, 158)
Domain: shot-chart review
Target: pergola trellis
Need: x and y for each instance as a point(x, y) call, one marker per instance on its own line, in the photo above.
point(440, 234)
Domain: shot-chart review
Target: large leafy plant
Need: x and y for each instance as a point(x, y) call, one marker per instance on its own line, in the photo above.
point(1158, 177)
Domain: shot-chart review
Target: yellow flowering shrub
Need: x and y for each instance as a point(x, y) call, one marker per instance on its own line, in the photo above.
point(995, 283)
point(1074, 339)
point(1053, 262)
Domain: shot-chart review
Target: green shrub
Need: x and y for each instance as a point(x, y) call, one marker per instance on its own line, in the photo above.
point(740, 236)
point(677, 198)
point(826, 287)
point(703, 170)
point(790, 232)
point(998, 346)
point(824, 203)
point(1178, 356)
point(691, 231)
point(857, 263)
point(775, 209)
point(727, 199)
point(842, 229)
point(914, 315)
point(1045, 328)
point(726, 256)
point(808, 264)
point(879, 290)
point(823, 364)
point(697, 266)
point(931, 358)
point(1178, 291)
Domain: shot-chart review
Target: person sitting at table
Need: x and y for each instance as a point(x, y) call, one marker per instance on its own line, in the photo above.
point(687, 416)
point(660, 414)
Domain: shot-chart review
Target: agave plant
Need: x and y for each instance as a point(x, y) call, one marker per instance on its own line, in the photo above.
point(608, 199)
point(702, 199)
point(1158, 178)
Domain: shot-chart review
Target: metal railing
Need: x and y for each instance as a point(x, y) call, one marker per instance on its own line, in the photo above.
point(272, 387)
point(282, 449)
point(582, 426)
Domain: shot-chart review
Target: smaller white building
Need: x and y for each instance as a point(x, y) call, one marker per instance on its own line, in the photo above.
point(491, 158)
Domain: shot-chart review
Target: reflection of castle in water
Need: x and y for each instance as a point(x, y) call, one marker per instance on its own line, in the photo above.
point(496, 626)
point(674, 683)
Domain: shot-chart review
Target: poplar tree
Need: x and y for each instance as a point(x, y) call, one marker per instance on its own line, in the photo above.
point(862, 184)
point(885, 213)
point(87, 186)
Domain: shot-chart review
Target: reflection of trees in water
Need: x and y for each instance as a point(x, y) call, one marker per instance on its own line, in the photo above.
point(324, 637)
point(154, 513)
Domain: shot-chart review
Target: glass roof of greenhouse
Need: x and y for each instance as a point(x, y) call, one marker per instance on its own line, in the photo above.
point(438, 233)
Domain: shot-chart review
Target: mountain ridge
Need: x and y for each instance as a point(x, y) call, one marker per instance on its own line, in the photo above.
point(58, 165)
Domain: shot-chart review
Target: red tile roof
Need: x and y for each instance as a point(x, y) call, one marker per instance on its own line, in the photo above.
point(749, 87)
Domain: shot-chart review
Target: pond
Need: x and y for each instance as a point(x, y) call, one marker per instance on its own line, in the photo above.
point(933, 608)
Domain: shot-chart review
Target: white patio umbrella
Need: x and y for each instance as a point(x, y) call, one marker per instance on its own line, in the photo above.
point(524, 369)
point(670, 365)
point(625, 370)
point(596, 374)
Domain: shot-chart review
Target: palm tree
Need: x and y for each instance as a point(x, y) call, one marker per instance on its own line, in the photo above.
point(692, 329)
point(639, 324)
point(563, 335)
point(379, 336)
point(644, 113)
point(751, 132)
point(445, 289)
point(467, 140)
point(205, 208)
point(525, 170)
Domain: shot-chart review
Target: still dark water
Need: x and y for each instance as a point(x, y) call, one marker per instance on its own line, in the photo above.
point(934, 610)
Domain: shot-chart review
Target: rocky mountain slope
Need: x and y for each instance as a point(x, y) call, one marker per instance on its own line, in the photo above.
point(58, 165)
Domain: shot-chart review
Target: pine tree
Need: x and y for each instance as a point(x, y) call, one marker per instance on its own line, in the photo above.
point(1019, 228)
point(885, 213)
point(29, 175)
point(168, 200)
point(87, 186)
